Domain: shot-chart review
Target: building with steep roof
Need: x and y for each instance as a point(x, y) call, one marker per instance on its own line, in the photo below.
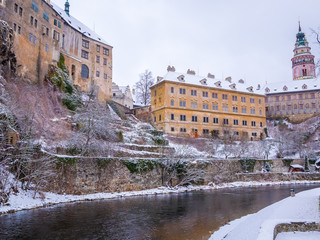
point(122, 95)
point(185, 104)
point(43, 31)
point(299, 98)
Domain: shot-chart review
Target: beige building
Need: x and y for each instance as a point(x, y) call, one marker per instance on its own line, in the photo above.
point(184, 104)
point(43, 31)
point(122, 95)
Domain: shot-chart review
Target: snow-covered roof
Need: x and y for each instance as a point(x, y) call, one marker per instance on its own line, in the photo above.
point(209, 82)
point(123, 89)
point(292, 86)
point(296, 166)
point(77, 25)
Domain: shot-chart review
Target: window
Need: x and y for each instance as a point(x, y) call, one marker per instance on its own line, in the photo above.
point(194, 119)
point(84, 71)
point(46, 16)
point(106, 51)
point(85, 43)
point(104, 61)
point(235, 122)
point(277, 98)
point(204, 94)
point(105, 76)
point(31, 20)
point(155, 93)
point(194, 105)
point(182, 91)
point(193, 92)
point(172, 102)
point(172, 129)
point(243, 99)
point(47, 31)
point(182, 103)
point(205, 106)
point(236, 133)
point(98, 48)
point(205, 131)
point(14, 27)
point(97, 74)
point(172, 116)
point(260, 124)
point(183, 118)
point(205, 119)
point(215, 133)
point(260, 111)
point(235, 109)
point(183, 130)
point(224, 96)
point(225, 108)
point(172, 89)
point(304, 72)
point(252, 111)
point(234, 98)
point(35, 23)
point(254, 134)
point(214, 95)
point(312, 95)
point(260, 101)
point(225, 121)
point(56, 35)
point(159, 118)
point(84, 54)
point(253, 123)
point(251, 100)
point(215, 107)
point(244, 123)
point(300, 96)
point(19, 29)
point(20, 11)
point(244, 110)
point(216, 120)
point(289, 98)
point(59, 24)
point(16, 8)
point(55, 22)
point(47, 48)
point(98, 59)
point(30, 37)
point(34, 6)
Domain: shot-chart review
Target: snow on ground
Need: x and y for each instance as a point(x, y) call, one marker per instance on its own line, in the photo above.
point(304, 207)
point(24, 199)
point(299, 236)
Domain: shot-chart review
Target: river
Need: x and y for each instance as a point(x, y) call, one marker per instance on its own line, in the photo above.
point(186, 216)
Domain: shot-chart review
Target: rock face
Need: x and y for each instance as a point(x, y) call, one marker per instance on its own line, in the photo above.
point(7, 56)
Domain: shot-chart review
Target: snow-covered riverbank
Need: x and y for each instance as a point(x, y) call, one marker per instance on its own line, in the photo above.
point(304, 207)
point(24, 199)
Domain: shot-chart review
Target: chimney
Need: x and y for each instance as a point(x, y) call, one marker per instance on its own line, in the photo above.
point(191, 72)
point(171, 69)
point(229, 79)
point(259, 87)
point(211, 76)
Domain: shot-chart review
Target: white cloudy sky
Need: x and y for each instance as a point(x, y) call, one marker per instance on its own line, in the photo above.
point(249, 39)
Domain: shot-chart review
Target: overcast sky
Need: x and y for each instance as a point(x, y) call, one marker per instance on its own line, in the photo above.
point(249, 39)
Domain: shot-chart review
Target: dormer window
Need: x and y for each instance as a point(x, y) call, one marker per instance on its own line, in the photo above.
point(267, 90)
point(250, 89)
point(233, 86)
point(159, 79)
point(218, 84)
point(203, 81)
point(304, 86)
point(285, 88)
point(241, 81)
point(229, 79)
point(181, 78)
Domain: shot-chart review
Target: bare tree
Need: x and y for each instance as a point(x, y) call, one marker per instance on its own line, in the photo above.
point(143, 87)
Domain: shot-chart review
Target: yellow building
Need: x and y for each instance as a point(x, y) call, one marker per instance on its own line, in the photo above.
point(191, 105)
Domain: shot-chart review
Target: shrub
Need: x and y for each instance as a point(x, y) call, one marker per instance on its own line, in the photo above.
point(140, 165)
point(248, 164)
point(287, 162)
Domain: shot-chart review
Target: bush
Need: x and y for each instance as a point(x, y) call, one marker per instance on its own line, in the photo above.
point(140, 165)
point(248, 164)
point(287, 162)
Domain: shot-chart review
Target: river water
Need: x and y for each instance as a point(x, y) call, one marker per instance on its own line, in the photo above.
point(186, 216)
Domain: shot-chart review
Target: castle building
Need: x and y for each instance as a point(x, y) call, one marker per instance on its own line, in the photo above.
point(298, 99)
point(191, 105)
point(122, 95)
point(43, 31)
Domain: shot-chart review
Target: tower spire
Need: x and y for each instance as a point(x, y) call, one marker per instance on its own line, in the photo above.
point(299, 26)
point(67, 8)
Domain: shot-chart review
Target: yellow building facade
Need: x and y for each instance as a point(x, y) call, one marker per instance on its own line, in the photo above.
point(191, 105)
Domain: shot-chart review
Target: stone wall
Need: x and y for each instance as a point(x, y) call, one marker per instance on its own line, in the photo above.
point(92, 175)
point(296, 227)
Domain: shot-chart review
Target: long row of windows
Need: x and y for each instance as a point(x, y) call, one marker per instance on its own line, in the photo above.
point(225, 121)
point(214, 132)
point(194, 92)
point(215, 107)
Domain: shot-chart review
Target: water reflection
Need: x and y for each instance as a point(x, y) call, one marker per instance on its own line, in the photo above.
point(162, 217)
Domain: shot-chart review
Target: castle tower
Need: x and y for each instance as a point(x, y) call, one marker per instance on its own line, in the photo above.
point(303, 61)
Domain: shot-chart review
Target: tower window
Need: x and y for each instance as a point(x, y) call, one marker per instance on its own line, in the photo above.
point(304, 72)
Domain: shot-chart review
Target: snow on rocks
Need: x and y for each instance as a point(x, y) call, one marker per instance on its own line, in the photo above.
point(298, 236)
point(25, 200)
point(304, 207)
